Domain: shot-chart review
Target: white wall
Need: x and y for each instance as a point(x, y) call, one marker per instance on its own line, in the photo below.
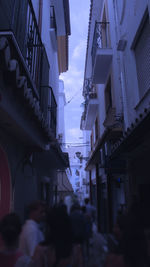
point(52, 55)
point(117, 101)
point(124, 23)
point(131, 18)
point(60, 111)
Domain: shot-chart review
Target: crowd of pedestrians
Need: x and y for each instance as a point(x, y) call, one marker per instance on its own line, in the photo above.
point(49, 238)
point(53, 238)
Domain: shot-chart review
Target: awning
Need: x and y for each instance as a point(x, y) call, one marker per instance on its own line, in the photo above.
point(53, 159)
point(136, 139)
point(64, 184)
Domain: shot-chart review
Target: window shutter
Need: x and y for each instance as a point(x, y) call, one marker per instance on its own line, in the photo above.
point(142, 55)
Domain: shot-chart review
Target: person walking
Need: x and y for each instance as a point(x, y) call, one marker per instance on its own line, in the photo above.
point(58, 249)
point(78, 224)
point(88, 232)
point(90, 209)
point(31, 234)
point(10, 255)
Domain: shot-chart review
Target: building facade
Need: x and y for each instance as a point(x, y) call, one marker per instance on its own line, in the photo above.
point(78, 177)
point(33, 52)
point(116, 110)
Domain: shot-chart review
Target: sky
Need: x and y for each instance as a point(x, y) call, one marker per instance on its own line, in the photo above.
point(73, 78)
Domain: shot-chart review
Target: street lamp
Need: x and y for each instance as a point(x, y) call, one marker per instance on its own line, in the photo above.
point(78, 154)
point(80, 157)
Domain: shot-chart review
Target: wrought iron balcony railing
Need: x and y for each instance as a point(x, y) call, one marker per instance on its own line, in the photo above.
point(87, 86)
point(19, 17)
point(89, 90)
point(49, 107)
point(101, 38)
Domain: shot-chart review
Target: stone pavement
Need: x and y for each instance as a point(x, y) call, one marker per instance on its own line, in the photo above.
point(98, 250)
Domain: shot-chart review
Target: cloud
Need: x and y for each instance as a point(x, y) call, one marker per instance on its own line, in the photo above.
point(72, 72)
point(73, 82)
point(79, 50)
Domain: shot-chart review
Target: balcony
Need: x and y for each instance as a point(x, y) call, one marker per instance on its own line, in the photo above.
point(113, 122)
point(101, 53)
point(110, 118)
point(25, 69)
point(91, 107)
point(49, 108)
point(18, 20)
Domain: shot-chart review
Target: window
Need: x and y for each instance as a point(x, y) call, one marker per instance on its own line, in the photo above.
point(52, 18)
point(84, 181)
point(108, 96)
point(78, 184)
point(142, 57)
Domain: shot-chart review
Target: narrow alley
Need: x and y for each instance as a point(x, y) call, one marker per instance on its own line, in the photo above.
point(74, 133)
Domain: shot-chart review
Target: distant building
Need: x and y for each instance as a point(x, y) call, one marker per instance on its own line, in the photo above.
point(78, 177)
point(63, 187)
point(116, 109)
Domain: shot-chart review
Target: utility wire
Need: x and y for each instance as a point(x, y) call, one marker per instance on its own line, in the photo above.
point(71, 143)
point(77, 145)
point(73, 96)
